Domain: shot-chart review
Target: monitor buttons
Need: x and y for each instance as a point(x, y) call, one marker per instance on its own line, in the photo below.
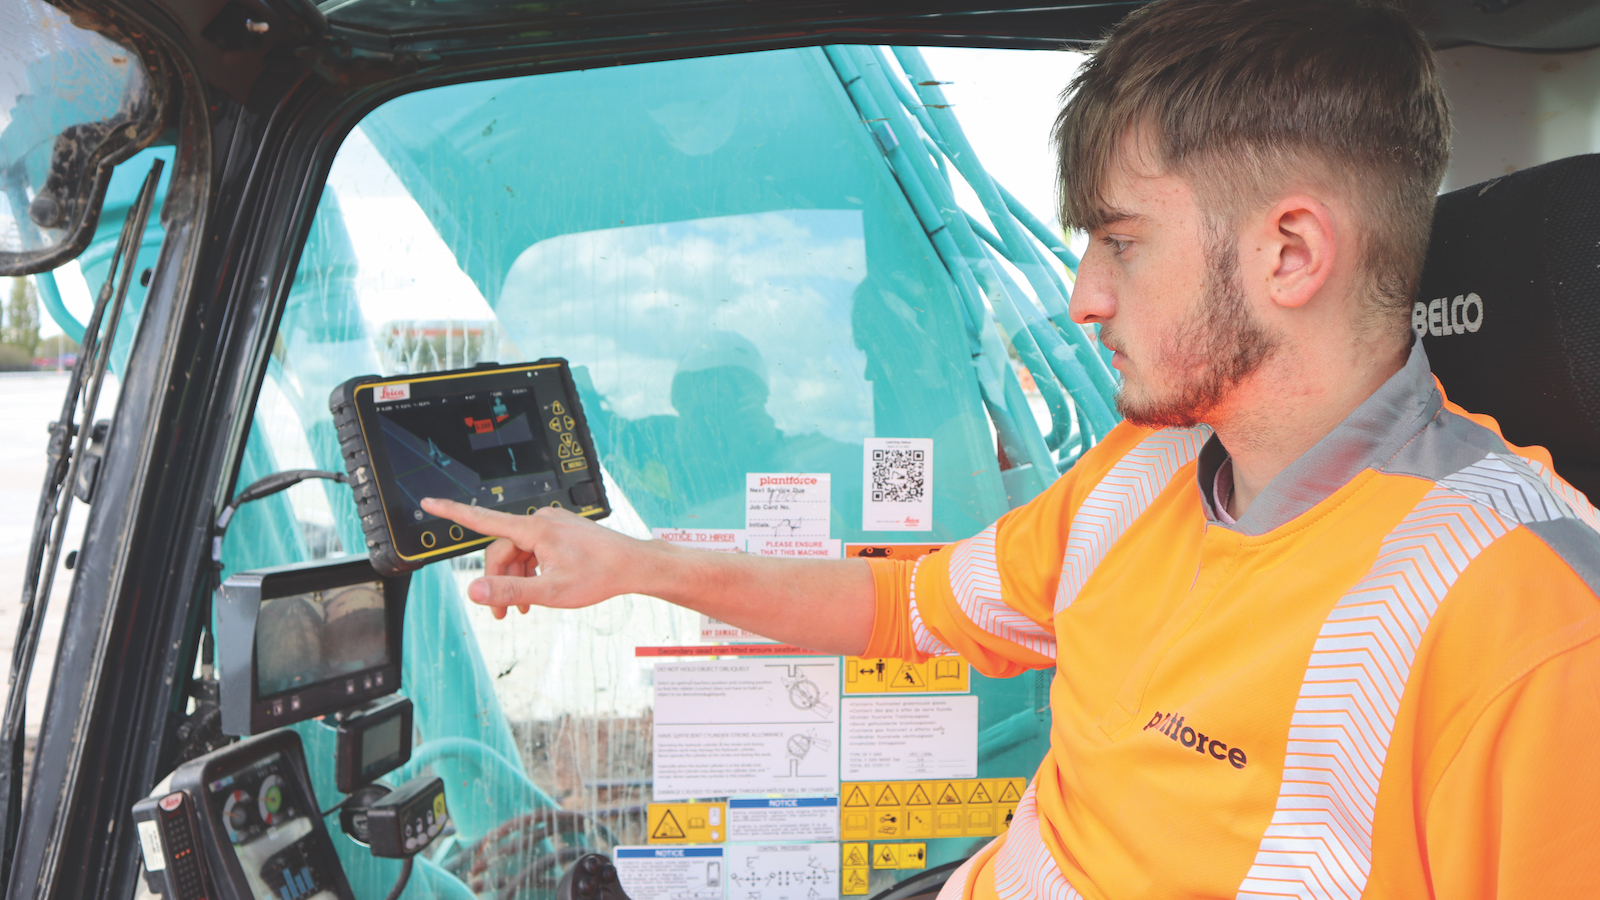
point(428, 540)
point(456, 533)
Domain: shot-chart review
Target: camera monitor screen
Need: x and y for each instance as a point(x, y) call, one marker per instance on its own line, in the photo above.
point(301, 641)
point(511, 438)
point(312, 637)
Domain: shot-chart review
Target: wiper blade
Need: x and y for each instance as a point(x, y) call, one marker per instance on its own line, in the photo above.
point(66, 456)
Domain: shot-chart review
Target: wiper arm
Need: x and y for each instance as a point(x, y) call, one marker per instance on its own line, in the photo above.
point(66, 455)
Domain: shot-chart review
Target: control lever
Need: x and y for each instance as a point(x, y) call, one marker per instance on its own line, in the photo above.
point(592, 877)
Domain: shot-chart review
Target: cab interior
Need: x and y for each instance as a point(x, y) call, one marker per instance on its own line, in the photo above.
point(756, 234)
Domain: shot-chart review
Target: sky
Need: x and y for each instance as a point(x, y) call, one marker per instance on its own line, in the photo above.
point(1006, 101)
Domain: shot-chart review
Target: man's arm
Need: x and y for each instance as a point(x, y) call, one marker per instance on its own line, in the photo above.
point(557, 559)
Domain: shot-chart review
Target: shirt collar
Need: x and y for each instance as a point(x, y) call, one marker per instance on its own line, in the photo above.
point(1367, 438)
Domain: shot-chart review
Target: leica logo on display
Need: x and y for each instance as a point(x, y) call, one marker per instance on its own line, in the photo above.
point(403, 391)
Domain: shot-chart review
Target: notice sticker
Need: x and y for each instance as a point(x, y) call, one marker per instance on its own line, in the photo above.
point(672, 873)
point(783, 871)
point(783, 819)
point(916, 737)
point(897, 484)
point(719, 540)
point(796, 548)
point(762, 726)
point(783, 505)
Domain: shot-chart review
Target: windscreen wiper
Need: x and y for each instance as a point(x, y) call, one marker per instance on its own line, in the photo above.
point(66, 456)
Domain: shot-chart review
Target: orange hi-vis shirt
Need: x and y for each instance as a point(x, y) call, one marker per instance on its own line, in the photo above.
point(1383, 681)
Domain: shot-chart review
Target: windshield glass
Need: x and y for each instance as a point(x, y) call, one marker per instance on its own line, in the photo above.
point(742, 261)
point(67, 99)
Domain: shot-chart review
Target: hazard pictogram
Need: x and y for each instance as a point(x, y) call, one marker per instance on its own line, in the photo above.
point(855, 854)
point(907, 678)
point(919, 797)
point(1010, 795)
point(887, 797)
point(856, 798)
point(948, 795)
point(668, 828)
point(980, 794)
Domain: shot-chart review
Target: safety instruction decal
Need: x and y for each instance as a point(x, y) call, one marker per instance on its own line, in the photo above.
point(958, 807)
point(686, 823)
point(897, 484)
point(783, 871)
point(855, 858)
point(672, 873)
point(882, 675)
point(757, 726)
point(916, 736)
point(899, 856)
point(783, 819)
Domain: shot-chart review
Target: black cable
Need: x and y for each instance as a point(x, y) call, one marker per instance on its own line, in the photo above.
point(264, 487)
point(405, 876)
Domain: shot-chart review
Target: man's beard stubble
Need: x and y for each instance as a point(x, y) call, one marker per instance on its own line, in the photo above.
point(1218, 346)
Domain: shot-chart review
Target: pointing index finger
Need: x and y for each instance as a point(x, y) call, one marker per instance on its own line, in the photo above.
point(483, 521)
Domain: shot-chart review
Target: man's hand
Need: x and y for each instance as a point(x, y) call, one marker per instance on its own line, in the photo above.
point(552, 558)
point(558, 559)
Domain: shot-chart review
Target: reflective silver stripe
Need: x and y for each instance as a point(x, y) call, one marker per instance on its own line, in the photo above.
point(975, 582)
point(924, 639)
point(1112, 505)
point(1576, 502)
point(1024, 867)
point(1319, 844)
point(1508, 486)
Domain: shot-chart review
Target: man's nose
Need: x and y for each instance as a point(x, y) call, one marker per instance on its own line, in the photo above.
point(1092, 299)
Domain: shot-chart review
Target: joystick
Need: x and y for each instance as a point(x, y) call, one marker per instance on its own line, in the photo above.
point(592, 877)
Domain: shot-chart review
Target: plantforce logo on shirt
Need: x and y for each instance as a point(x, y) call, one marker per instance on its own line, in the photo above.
point(1172, 725)
point(1446, 316)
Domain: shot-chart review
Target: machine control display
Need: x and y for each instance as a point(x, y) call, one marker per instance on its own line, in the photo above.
point(270, 827)
point(510, 438)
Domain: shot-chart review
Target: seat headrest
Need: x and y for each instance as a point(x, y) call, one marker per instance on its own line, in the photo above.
point(1509, 308)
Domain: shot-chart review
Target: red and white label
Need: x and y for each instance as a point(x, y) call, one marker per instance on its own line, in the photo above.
point(387, 392)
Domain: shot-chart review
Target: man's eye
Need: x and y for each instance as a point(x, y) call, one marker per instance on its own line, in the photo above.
point(1115, 245)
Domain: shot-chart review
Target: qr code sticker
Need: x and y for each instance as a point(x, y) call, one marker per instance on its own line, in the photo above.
point(899, 476)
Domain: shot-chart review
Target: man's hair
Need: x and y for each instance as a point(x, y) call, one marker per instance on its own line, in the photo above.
point(1237, 96)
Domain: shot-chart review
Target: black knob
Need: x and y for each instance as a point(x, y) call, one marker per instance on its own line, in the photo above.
point(586, 887)
point(589, 865)
point(608, 872)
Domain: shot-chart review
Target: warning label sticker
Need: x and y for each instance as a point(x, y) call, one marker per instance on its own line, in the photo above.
point(686, 823)
point(882, 675)
point(961, 807)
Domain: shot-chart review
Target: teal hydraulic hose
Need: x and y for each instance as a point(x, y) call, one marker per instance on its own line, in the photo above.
point(50, 297)
point(966, 162)
point(1062, 362)
point(1020, 440)
point(1015, 246)
point(1048, 238)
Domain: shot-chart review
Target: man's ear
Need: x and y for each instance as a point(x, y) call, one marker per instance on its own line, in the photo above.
point(1300, 246)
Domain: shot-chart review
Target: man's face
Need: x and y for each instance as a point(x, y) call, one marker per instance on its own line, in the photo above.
point(1161, 278)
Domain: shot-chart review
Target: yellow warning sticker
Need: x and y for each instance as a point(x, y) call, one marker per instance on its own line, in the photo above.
point(961, 807)
point(899, 856)
point(881, 675)
point(854, 854)
point(854, 880)
point(687, 823)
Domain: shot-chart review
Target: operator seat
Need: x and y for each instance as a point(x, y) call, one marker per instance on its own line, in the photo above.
point(1509, 308)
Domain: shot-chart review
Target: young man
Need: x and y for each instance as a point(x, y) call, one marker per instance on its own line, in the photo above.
point(1318, 632)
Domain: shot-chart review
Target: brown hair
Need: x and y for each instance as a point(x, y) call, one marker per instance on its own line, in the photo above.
point(1238, 94)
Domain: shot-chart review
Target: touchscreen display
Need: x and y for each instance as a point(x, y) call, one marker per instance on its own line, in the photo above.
point(304, 639)
point(485, 448)
point(262, 809)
